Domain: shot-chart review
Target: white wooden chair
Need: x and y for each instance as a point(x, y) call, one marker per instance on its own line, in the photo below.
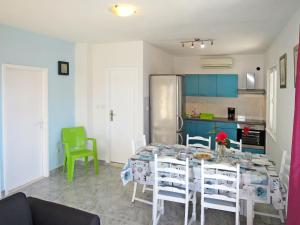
point(171, 183)
point(136, 147)
point(284, 181)
point(199, 140)
point(220, 188)
point(235, 146)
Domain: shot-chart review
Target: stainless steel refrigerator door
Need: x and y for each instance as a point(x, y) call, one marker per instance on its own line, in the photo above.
point(164, 121)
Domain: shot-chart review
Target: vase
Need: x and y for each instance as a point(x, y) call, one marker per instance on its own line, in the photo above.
point(221, 152)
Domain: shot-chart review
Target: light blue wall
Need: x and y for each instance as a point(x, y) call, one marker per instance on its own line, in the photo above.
point(26, 48)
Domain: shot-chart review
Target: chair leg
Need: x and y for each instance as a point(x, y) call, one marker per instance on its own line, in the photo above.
point(154, 211)
point(86, 163)
point(237, 218)
point(186, 213)
point(281, 215)
point(71, 164)
point(162, 207)
point(202, 215)
point(144, 188)
point(134, 191)
point(65, 164)
point(96, 164)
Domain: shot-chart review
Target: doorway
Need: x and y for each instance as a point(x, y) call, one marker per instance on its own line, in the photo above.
point(25, 125)
point(123, 110)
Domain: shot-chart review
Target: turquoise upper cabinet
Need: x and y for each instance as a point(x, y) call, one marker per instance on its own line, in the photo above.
point(191, 85)
point(207, 85)
point(211, 85)
point(227, 85)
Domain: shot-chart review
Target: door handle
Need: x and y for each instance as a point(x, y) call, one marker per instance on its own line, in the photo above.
point(180, 139)
point(181, 122)
point(111, 115)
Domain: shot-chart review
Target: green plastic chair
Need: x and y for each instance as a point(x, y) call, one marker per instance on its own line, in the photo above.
point(75, 144)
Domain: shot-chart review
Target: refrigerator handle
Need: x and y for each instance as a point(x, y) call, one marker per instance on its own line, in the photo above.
point(180, 139)
point(181, 123)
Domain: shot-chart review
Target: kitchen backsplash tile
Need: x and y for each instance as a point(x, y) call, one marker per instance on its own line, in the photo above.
point(251, 106)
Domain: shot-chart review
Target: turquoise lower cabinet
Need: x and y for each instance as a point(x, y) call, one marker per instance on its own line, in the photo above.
point(207, 85)
point(227, 85)
point(254, 150)
point(191, 85)
point(190, 127)
point(198, 128)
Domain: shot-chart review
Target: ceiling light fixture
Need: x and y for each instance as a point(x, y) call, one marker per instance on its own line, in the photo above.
point(123, 10)
point(202, 45)
point(198, 40)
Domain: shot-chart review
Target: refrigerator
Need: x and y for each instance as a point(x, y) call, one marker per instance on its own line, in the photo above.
point(166, 108)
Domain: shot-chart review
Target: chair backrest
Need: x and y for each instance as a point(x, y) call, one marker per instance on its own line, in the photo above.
point(220, 182)
point(171, 175)
point(136, 144)
point(234, 145)
point(198, 140)
point(75, 137)
point(285, 169)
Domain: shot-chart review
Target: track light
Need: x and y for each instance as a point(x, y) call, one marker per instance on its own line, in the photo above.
point(203, 42)
point(202, 45)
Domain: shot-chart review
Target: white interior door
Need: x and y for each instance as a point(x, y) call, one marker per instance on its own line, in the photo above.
point(23, 125)
point(123, 98)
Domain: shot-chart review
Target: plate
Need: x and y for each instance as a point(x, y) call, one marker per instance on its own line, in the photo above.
point(261, 162)
point(203, 155)
point(151, 148)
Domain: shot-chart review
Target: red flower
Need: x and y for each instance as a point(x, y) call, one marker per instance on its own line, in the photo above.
point(221, 137)
point(246, 131)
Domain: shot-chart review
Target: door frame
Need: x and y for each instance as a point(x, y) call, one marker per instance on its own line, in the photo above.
point(45, 130)
point(137, 99)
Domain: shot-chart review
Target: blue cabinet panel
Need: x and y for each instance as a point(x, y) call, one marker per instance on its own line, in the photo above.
point(191, 85)
point(207, 85)
point(227, 85)
point(226, 125)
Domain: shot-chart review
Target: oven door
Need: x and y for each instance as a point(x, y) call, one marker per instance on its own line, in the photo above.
point(254, 137)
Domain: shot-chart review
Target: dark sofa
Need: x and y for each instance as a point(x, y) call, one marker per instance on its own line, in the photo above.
point(20, 210)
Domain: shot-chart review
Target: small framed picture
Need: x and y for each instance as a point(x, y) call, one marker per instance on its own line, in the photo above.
point(296, 48)
point(63, 68)
point(282, 69)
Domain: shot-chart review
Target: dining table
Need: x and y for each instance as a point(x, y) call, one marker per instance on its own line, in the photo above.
point(258, 178)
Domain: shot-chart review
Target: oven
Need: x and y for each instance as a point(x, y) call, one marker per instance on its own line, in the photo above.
point(255, 137)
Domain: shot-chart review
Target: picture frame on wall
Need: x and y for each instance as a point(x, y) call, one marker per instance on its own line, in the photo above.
point(283, 70)
point(63, 68)
point(296, 48)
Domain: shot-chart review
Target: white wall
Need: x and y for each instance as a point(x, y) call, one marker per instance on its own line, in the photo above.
point(284, 43)
point(82, 68)
point(155, 61)
point(92, 85)
point(241, 65)
point(123, 55)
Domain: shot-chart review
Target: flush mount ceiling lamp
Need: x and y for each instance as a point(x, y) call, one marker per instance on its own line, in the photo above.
point(123, 10)
point(192, 43)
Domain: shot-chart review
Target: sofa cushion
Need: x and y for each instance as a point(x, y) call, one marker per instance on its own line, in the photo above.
point(15, 210)
point(50, 213)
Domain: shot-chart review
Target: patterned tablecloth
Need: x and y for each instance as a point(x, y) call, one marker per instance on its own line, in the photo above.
point(257, 182)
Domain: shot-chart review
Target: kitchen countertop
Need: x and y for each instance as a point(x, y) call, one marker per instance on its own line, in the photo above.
point(226, 120)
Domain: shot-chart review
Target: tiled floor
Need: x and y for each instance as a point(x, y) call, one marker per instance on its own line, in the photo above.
point(106, 196)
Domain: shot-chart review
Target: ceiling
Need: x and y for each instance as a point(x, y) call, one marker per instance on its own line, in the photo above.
point(237, 26)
